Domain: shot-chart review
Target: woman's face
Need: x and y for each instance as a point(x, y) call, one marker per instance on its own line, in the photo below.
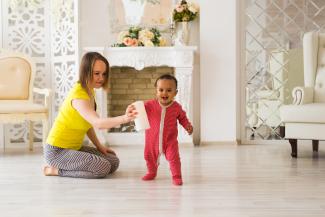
point(99, 74)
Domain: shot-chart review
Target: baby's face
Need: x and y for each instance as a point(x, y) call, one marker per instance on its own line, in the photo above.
point(166, 91)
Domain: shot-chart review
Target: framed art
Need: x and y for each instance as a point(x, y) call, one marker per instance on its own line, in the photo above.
point(144, 13)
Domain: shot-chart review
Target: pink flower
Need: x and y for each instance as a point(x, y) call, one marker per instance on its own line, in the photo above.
point(127, 41)
point(130, 42)
point(179, 8)
point(134, 42)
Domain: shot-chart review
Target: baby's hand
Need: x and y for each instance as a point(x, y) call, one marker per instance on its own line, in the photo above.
point(130, 113)
point(189, 129)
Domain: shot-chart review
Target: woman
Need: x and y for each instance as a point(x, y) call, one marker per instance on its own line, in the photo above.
point(77, 116)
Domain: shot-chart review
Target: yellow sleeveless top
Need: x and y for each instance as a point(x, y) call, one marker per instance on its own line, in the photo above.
point(70, 128)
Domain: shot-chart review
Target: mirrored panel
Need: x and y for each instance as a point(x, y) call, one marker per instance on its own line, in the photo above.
point(274, 59)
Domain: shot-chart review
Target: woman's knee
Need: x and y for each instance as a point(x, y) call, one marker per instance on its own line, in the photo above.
point(115, 162)
point(103, 170)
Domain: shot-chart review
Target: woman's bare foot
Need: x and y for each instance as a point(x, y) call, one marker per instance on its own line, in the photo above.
point(50, 171)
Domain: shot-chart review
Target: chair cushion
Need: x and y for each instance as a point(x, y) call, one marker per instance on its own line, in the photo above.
point(21, 107)
point(306, 113)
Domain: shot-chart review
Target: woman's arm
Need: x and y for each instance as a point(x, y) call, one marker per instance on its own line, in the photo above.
point(93, 138)
point(89, 114)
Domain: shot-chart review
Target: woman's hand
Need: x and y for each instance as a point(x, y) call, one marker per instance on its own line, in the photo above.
point(130, 113)
point(105, 150)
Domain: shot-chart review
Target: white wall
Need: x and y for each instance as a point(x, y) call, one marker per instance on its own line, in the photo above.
point(216, 116)
point(94, 27)
point(219, 71)
point(94, 30)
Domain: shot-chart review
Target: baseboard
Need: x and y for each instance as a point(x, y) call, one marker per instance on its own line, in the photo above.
point(229, 142)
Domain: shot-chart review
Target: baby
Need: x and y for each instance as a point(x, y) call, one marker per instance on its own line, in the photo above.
point(163, 113)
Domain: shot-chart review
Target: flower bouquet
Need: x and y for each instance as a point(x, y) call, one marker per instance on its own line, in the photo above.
point(137, 36)
point(185, 12)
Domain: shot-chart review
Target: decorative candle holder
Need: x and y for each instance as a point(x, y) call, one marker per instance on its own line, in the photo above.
point(172, 27)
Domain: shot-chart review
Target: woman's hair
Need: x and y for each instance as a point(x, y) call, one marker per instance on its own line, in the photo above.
point(166, 77)
point(86, 68)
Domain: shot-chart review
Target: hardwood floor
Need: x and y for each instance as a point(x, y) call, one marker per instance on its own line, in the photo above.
point(219, 180)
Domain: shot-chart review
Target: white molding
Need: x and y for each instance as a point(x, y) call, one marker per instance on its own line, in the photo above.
point(2, 136)
point(141, 57)
point(180, 58)
point(2, 132)
point(1, 25)
point(242, 74)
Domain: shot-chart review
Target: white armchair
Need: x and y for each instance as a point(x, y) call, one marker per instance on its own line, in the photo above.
point(17, 72)
point(305, 119)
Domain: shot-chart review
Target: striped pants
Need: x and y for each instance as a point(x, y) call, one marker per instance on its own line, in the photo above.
point(87, 162)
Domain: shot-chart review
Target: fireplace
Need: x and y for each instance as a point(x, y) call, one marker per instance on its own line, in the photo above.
point(180, 59)
point(127, 85)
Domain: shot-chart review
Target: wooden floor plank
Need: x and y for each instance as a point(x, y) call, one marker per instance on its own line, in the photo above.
point(219, 180)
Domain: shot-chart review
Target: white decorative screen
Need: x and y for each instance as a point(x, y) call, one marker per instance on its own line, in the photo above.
point(64, 52)
point(47, 31)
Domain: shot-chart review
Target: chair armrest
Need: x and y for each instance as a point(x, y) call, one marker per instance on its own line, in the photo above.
point(302, 95)
point(43, 91)
point(47, 94)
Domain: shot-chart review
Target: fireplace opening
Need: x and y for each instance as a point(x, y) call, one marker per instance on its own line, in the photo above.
point(127, 85)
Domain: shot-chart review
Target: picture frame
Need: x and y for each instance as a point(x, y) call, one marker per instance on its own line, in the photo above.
point(143, 13)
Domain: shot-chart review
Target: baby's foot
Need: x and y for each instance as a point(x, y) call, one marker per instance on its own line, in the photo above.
point(50, 171)
point(177, 180)
point(149, 176)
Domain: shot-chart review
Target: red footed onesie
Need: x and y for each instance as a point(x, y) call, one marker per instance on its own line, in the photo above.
point(162, 136)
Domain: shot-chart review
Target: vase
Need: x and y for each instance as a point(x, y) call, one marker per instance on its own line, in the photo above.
point(182, 33)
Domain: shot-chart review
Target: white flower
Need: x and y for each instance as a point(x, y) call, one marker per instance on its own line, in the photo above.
point(162, 42)
point(148, 43)
point(121, 36)
point(145, 35)
point(194, 8)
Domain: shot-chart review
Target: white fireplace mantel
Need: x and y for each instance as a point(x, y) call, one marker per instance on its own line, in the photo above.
point(180, 58)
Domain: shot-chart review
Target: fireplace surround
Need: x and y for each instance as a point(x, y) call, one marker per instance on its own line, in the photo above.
point(180, 58)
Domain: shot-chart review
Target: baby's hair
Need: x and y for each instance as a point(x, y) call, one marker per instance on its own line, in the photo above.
point(166, 77)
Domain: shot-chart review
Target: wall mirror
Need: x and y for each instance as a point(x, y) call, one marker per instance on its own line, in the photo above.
point(144, 13)
point(274, 61)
